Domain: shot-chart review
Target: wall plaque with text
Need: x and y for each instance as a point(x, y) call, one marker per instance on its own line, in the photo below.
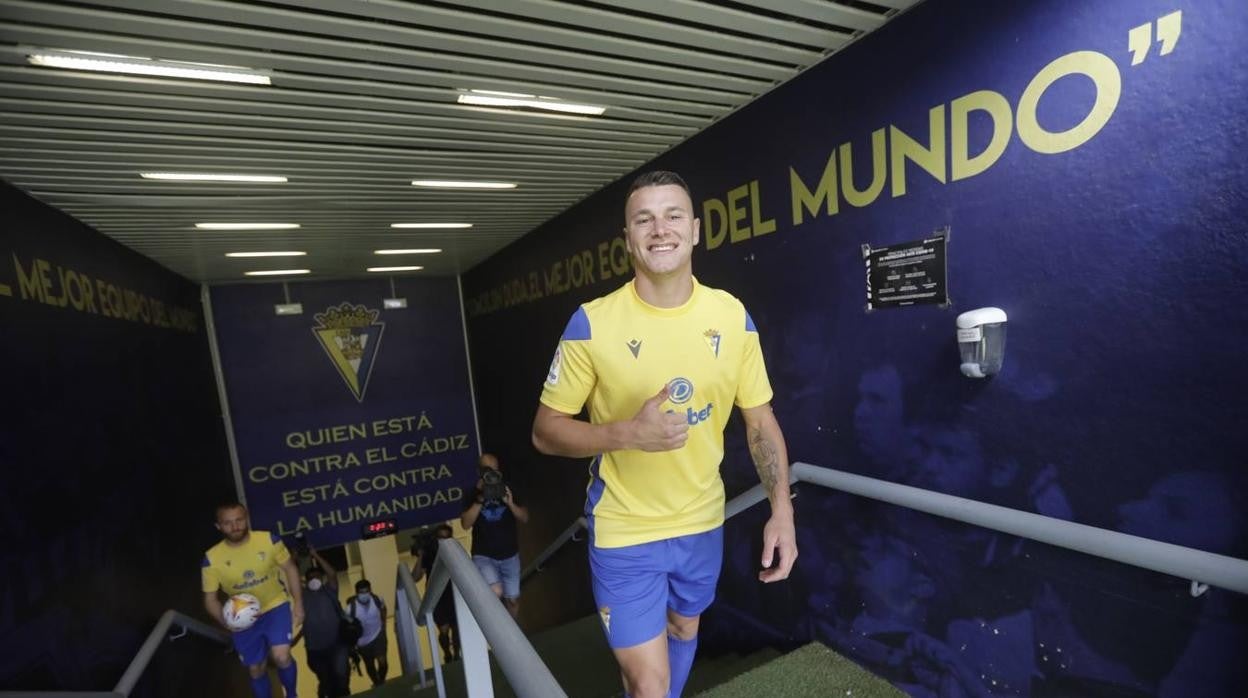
point(908, 273)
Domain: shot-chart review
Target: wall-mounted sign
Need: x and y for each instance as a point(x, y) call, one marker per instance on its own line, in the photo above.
point(908, 273)
point(339, 434)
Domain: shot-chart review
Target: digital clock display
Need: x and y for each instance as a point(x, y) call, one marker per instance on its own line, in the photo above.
point(379, 528)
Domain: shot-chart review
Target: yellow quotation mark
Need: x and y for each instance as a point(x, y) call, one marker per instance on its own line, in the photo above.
point(1141, 38)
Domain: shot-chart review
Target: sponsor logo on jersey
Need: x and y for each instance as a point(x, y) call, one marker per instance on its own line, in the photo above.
point(699, 416)
point(679, 390)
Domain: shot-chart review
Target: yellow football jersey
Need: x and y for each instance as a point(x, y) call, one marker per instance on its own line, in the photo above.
point(617, 352)
point(249, 568)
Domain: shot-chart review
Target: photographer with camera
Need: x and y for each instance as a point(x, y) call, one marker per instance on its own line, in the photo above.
point(492, 515)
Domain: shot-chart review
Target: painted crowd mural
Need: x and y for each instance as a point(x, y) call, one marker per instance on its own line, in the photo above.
point(1086, 162)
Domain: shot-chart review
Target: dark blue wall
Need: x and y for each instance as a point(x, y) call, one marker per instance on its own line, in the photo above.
point(1120, 260)
point(111, 459)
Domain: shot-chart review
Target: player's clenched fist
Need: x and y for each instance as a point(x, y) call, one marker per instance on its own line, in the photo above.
point(656, 430)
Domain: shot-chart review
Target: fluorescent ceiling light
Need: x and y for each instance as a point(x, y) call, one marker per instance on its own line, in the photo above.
point(209, 177)
point(490, 98)
point(421, 250)
point(395, 268)
point(278, 272)
point(452, 184)
point(266, 254)
point(246, 226)
point(136, 65)
point(434, 226)
point(499, 93)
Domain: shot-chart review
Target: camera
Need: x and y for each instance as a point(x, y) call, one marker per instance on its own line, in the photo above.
point(492, 487)
point(301, 545)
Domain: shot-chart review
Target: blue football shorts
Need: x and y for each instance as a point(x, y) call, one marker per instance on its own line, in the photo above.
point(503, 572)
point(272, 629)
point(634, 586)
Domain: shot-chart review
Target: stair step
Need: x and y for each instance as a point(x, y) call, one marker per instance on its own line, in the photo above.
point(712, 672)
point(576, 653)
point(581, 662)
point(813, 671)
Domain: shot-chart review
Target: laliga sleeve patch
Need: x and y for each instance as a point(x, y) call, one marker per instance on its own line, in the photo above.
point(552, 376)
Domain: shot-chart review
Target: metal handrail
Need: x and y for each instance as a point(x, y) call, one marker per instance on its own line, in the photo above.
point(568, 534)
point(406, 602)
point(1186, 563)
point(1204, 568)
point(481, 618)
point(154, 638)
point(141, 659)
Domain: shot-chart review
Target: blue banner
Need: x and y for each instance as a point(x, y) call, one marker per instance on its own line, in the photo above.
point(347, 414)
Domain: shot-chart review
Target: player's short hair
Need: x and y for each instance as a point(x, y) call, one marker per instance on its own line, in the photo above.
point(658, 178)
point(226, 506)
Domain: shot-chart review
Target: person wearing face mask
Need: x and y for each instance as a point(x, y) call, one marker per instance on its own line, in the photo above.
point(370, 610)
point(327, 656)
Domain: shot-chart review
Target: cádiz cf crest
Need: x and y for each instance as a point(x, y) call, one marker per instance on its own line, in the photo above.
point(712, 340)
point(350, 335)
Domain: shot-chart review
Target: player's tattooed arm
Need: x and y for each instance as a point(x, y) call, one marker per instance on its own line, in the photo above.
point(768, 452)
point(771, 459)
point(765, 461)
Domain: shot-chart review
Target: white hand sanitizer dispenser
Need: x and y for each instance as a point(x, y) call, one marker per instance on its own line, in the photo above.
point(981, 340)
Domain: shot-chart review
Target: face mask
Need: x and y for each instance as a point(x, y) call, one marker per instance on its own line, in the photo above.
point(364, 598)
point(314, 584)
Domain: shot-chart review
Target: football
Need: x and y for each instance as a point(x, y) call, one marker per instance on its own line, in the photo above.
point(241, 611)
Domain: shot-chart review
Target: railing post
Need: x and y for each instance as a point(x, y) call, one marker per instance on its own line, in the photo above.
point(568, 534)
point(407, 602)
point(407, 635)
point(435, 651)
point(473, 649)
point(150, 645)
point(481, 616)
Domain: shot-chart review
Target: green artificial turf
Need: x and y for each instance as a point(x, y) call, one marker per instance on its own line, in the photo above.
point(813, 671)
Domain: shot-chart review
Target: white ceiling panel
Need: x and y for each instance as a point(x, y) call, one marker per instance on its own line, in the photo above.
point(362, 101)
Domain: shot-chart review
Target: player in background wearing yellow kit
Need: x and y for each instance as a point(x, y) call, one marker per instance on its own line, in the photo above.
point(247, 562)
point(659, 363)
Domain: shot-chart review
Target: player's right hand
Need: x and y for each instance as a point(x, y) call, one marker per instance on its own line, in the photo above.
point(656, 430)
